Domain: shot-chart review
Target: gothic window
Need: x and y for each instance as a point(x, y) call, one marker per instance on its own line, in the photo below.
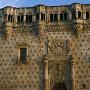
point(61, 16)
point(5, 17)
point(30, 18)
point(37, 16)
point(79, 14)
point(74, 15)
point(9, 17)
point(65, 16)
point(42, 16)
point(27, 19)
point(18, 19)
point(87, 15)
point(23, 55)
point(55, 17)
point(22, 18)
point(51, 17)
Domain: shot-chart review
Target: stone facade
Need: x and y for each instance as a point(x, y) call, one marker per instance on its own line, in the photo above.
point(45, 47)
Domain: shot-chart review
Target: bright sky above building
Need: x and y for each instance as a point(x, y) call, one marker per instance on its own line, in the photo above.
point(29, 3)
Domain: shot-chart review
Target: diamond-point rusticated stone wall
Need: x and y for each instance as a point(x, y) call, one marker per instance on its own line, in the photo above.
point(45, 47)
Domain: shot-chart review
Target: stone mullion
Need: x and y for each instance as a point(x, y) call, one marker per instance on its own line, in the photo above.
point(7, 18)
point(48, 17)
point(24, 18)
point(40, 16)
point(84, 15)
point(76, 14)
point(70, 16)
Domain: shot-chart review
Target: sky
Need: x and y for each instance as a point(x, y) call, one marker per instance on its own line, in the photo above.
point(30, 3)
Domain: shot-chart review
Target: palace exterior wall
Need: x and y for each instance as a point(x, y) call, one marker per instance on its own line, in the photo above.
point(56, 40)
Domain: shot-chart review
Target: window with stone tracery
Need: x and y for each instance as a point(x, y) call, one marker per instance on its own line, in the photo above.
point(55, 17)
point(73, 14)
point(37, 16)
point(61, 16)
point(30, 18)
point(42, 16)
point(10, 18)
point(87, 15)
point(51, 17)
point(20, 18)
point(79, 14)
point(65, 16)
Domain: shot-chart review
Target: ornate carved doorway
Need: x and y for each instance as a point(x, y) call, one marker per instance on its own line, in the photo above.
point(58, 73)
point(59, 86)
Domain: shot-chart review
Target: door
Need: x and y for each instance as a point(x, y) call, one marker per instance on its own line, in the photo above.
point(60, 86)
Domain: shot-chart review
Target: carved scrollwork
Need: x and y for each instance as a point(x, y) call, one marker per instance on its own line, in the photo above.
point(59, 47)
point(57, 71)
point(60, 28)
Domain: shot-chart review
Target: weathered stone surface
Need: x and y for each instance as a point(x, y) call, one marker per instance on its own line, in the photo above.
point(57, 49)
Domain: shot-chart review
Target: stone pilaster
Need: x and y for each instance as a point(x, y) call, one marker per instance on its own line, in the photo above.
point(46, 78)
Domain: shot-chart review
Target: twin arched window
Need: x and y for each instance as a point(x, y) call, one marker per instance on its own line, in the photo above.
point(54, 17)
point(63, 16)
point(76, 14)
point(10, 18)
point(38, 17)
